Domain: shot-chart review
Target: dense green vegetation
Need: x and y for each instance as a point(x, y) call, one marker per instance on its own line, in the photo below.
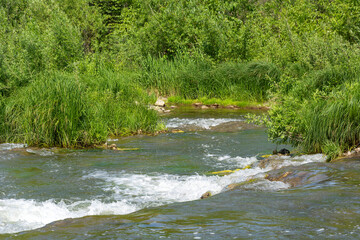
point(74, 72)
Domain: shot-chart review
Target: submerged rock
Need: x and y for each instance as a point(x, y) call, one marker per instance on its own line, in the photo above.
point(206, 195)
point(273, 162)
point(233, 126)
point(191, 128)
point(296, 177)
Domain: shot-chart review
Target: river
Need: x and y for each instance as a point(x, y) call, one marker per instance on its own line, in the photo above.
point(151, 189)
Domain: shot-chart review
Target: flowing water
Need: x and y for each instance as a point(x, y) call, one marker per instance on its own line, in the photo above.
point(152, 190)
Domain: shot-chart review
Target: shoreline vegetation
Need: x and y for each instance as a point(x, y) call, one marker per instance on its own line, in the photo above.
point(73, 73)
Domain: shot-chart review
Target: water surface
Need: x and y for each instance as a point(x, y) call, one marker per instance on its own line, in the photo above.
point(154, 192)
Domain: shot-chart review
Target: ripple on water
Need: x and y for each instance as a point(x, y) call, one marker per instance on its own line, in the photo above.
point(132, 192)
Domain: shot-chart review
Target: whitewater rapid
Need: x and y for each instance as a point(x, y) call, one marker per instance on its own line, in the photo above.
point(131, 192)
point(124, 192)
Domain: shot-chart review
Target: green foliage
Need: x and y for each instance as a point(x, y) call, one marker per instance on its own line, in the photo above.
point(299, 55)
point(163, 28)
point(43, 35)
point(61, 110)
point(332, 150)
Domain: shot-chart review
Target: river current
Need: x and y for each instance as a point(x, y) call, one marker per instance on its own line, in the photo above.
point(151, 187)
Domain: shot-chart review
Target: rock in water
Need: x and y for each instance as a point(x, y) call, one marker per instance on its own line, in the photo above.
point(296, 177)
point(206, 195)
point(284, 151)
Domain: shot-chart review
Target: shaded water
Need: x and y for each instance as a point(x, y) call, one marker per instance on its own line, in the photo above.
point(149, 193)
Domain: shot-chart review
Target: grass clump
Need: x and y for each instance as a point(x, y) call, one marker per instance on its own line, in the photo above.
point(60, 109)
point(328, 123)
point(211, 101)
point(333, 123)
point(195, 78)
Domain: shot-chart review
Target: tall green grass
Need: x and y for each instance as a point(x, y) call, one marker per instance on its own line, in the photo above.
point(60, 109)
point(196, 77)
point(333, 122)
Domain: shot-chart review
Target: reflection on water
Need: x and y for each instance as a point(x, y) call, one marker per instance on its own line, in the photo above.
point(149, 193)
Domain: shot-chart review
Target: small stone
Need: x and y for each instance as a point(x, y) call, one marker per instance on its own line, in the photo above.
point(197, 104)
point(206, 195)
point(204, 107)
point(157, 108)
point(231, 107)
point(160, 103)
point(232, 186)
point(172, 106)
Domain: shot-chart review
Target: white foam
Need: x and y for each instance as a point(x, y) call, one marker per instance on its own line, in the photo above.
point(147, 190)
point(132, 192)
point(227, 160)
point(9, 146)
point(300, 160)
point(205, 123)
point(112, 140)
point(20, 215)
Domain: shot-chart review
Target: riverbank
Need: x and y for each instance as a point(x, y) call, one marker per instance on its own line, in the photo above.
point(72, 80)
